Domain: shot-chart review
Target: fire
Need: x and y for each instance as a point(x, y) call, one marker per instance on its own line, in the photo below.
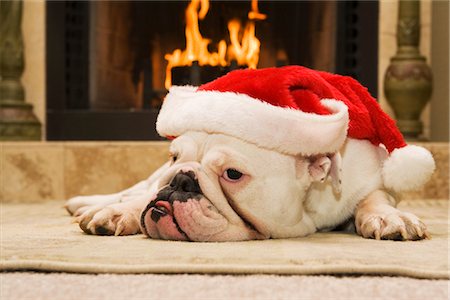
point(244, 50)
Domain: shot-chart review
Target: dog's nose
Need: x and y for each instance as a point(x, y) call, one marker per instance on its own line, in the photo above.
point(185, 182)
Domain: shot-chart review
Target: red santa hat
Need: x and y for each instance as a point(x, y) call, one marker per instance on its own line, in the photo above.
point(295, 110)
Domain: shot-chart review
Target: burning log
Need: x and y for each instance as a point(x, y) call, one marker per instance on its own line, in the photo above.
point(197, 75)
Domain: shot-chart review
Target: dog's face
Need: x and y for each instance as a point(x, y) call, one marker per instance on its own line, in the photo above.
point(219, 188)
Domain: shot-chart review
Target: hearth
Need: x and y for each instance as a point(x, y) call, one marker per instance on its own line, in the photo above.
point(109, 63)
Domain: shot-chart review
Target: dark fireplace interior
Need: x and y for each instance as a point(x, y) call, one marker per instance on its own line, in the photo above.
point(106, 63)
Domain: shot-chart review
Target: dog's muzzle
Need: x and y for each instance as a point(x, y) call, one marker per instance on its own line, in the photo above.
point(157, 219)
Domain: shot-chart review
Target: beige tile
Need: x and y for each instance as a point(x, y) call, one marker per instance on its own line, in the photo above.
point(107, 168)
point(33, 79)
point(387, 47)
point(1, 174)
point(31, 172)
point(438, 186)
point(388, 12)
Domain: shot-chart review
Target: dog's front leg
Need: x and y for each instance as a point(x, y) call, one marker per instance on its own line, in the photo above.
point(376, 217)
point(76, 206)
point(115, 219)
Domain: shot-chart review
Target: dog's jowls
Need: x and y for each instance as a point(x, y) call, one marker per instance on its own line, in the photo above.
point(219, 188)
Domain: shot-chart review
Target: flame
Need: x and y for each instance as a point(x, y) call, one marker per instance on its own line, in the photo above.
point(245, 50)
point(254, 14)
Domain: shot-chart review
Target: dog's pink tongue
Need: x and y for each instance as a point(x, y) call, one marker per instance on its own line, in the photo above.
point(159, 223)
point(164, 208)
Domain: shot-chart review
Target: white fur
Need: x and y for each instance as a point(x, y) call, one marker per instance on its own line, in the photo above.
point(408, 168)
point(286, 130)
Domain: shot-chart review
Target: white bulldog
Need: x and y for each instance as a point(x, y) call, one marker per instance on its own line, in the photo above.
point(219, 188)
point(270, 153)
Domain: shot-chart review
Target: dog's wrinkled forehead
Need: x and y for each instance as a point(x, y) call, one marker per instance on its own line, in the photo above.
point(190, 144)
point(196, 145)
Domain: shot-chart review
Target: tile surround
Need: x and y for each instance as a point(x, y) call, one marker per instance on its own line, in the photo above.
point(31, 172)
point(39, 171)
point(438, 186)
point(91, 169)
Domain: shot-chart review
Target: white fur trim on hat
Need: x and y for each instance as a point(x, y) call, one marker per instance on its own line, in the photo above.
point(408, 168)
point(287, 130)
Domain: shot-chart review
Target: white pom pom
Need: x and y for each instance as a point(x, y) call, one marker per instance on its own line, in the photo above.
point(408, 168)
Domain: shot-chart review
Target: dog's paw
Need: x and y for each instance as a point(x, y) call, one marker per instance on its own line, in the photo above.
point(75, 203)
point(396, 225)
point(109, 220)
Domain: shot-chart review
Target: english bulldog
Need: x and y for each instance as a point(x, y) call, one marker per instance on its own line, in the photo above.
point(271, 153)
point(219, 188)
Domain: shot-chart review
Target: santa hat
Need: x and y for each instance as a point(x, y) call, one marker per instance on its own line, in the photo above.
point(295, 110)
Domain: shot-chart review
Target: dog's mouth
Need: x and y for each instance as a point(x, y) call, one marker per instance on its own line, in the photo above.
point(158, 221)
point(181, 212)
point(161, 209)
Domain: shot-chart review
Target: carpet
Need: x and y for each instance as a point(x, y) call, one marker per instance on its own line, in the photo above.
point(42, 237)
point(45, 286)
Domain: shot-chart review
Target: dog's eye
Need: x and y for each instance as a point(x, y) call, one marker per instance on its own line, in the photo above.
point(232, 175)
point(174, 157)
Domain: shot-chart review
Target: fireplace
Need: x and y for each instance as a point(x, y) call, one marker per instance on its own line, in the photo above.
point(107, 60)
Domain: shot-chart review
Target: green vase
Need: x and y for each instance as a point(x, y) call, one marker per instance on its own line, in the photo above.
point(408, 79)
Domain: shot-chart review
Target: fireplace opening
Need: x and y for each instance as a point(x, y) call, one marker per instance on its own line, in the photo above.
point(108, 61)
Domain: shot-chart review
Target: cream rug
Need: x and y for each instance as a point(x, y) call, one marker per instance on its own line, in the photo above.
point(42, 237)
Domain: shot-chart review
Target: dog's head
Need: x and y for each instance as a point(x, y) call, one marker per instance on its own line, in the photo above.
point(219, 188)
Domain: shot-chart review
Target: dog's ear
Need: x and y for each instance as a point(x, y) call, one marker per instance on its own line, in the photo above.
point(319, 168)
point(323, 167)
point(336, 172)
